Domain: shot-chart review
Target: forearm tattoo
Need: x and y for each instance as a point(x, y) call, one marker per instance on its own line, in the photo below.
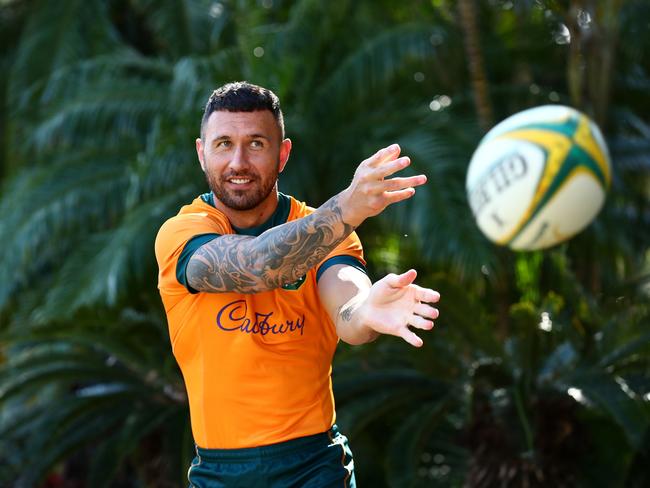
point(279, 256)
point(347, 312)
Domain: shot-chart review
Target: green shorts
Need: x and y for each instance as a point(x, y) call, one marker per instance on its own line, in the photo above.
point(316, 461)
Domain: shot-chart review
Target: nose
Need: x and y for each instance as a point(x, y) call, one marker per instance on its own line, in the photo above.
point(238, 160)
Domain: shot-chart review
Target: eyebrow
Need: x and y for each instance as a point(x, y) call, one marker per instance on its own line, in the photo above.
point(250, 136)
point(259, 136)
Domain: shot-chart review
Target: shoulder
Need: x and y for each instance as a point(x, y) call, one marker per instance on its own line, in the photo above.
point(194, 219)
point(299, 209)
point(198, 213)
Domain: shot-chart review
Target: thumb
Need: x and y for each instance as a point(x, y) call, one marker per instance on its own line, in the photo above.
point(402, 280)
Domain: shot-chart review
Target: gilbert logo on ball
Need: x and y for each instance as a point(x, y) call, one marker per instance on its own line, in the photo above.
point(539, 177)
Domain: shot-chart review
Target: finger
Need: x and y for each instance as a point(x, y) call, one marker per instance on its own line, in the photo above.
point(410, 337)
point(389, 167)
point(391, 197)
point(426, 311)
point(394, 184)
point(420, 323)
point(426, 295)
point(401, 280)
point(386, 154)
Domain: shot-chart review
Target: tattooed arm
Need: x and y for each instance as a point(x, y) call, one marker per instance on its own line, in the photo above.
point(361, 311)
point(278, 256)
point(285, 253)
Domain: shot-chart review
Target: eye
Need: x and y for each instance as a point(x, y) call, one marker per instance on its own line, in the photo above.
point(257, 144)
point(224, 144)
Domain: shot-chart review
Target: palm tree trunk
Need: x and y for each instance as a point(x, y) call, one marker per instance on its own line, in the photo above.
point(467, 11)
point(576, 61)
point(591, 54)
point(603, 56)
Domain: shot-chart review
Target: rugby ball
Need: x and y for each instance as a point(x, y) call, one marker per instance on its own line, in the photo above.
point(539, 177)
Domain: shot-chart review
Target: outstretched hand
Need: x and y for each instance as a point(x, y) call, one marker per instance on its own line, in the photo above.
point(374, 186)
point(394, 303)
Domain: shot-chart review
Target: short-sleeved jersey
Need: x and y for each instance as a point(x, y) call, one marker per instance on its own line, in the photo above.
point(257, 367)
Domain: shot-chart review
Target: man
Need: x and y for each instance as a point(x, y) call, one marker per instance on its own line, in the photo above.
point(258, 288)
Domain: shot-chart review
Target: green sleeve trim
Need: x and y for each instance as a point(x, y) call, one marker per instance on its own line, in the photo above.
point(345, 259)
point(188, 251)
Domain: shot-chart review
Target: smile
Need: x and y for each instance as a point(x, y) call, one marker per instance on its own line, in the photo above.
point(239, 181)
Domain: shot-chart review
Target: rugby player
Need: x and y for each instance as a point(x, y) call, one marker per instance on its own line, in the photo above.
point(258, 289)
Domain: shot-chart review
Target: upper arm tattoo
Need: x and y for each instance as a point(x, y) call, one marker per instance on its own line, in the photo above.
point(279, 256)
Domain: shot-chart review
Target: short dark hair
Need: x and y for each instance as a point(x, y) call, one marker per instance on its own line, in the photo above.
point(241, 96)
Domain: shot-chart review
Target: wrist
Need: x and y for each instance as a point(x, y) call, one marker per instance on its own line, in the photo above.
point(351, 322)
point(348, 214)
point(362, 320)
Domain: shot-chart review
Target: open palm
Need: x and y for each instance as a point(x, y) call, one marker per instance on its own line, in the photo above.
point(394, 303)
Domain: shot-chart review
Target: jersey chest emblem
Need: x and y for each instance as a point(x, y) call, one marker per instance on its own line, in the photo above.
point(234, 317)
point(295, 285)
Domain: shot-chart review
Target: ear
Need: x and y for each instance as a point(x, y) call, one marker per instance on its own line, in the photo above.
point(285, 150)
point(199, 152)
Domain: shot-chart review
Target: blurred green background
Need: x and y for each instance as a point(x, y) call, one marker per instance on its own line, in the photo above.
point(538, 371)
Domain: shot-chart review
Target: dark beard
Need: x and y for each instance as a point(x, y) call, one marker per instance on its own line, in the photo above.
point(244, 199)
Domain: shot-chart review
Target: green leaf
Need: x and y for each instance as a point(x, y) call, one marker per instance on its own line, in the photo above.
point(625, 350)
point(557, 364)
point(614, 396)
point(407, 443)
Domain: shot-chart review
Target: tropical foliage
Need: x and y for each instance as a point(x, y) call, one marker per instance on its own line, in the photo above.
point(538, 373)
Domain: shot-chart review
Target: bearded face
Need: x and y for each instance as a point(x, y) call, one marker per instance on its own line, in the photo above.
point(244, 189)
point(242, 154)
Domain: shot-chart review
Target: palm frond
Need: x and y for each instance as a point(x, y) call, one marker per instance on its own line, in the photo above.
point(180, 27)
point(48, 45)
point(118, 256)
point(64, 201)
point(410, 440)
point(614, 396)
point(78, 389)
point(114, 109)
point(372, 67)
point(195, 77)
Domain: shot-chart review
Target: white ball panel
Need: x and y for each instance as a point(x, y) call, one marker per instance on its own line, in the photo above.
point(570, 210)
point(503, 171)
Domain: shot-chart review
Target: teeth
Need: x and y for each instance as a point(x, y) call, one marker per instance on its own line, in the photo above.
point(239, 181)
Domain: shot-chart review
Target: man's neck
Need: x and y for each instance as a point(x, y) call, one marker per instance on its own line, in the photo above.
point(254, 217)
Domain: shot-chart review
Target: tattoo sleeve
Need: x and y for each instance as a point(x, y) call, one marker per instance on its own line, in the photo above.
point(279, 256)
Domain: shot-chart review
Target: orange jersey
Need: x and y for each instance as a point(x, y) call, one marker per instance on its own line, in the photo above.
point(257, 367)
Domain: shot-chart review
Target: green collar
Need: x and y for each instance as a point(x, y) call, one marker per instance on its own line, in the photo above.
point(280, 215)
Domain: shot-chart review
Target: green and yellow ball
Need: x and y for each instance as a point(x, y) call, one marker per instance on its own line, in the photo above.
point(539, 177)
